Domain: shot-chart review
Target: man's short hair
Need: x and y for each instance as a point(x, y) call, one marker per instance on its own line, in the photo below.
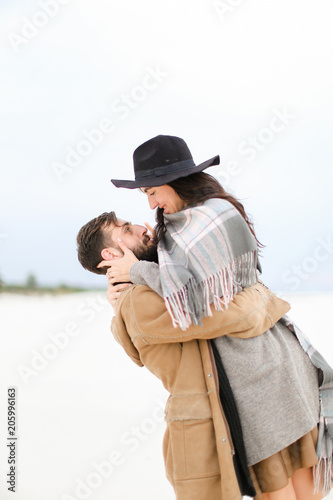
point(91, 240)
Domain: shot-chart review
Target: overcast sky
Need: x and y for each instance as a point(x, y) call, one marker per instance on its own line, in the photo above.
point(84, 83)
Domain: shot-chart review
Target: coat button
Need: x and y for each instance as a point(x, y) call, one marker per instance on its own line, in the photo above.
point(209, 374)
point(223, 440)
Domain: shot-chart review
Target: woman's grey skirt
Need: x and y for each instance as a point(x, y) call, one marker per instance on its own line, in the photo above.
point(275, 386)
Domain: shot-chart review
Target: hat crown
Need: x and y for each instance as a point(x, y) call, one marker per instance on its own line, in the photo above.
point(161, 160)
point(160, 151)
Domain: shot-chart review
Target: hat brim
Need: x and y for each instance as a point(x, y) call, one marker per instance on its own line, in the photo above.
point(165, 179)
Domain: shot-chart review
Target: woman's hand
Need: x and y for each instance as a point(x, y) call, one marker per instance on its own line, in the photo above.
point(119, 268)
point(114, 291)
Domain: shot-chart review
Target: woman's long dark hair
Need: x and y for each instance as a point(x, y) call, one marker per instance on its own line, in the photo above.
point(195, 189)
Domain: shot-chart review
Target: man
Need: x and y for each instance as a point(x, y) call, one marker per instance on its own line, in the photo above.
point(198, 448)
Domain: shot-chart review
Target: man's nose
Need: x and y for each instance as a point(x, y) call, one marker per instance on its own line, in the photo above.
point(141, 230)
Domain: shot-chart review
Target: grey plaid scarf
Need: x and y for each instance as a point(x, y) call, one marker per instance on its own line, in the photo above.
point(207, 255)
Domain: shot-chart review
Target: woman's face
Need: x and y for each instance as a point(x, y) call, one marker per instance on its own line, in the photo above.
point(164, 197)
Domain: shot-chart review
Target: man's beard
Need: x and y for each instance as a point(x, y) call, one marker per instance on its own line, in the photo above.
point(143, 252)
point(146, 252)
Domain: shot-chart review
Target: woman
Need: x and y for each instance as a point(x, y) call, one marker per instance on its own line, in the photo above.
point(207, 253)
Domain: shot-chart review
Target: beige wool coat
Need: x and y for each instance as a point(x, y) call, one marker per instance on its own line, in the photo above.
point(197, 446)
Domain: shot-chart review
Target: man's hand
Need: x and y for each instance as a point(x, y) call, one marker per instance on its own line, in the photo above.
point(119, 268)
point(114, 291)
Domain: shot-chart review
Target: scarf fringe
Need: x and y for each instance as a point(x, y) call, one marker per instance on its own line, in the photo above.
point(193, 301)
point(323, 471)
point(323, 476)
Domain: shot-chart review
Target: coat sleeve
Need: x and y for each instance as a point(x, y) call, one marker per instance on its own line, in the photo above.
point(252, 312)
point(122, 331)
point(147, 273)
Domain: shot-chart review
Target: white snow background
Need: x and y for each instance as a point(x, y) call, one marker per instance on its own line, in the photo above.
point(89, 421)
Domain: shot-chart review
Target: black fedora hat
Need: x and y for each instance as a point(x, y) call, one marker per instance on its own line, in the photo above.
point(160, 160)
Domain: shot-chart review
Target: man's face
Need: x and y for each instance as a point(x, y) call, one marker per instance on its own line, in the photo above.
point(135, 238)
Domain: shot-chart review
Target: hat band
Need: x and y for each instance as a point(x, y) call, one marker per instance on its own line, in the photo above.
point(167, 169)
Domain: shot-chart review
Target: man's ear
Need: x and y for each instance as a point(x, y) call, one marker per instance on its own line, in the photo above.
point(109, 254)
